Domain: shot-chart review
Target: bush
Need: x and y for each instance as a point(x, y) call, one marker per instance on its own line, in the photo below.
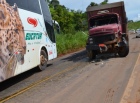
point(70, 42)
point(133, 25)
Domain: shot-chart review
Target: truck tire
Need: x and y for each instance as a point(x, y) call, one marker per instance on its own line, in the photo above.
point(91, 54)
point(124, 51)
point(43, 60)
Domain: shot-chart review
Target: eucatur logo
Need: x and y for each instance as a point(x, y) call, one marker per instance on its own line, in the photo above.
point(32, 21)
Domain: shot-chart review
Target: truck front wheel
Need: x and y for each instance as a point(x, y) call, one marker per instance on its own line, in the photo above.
point(123, 52)
point(91, 54)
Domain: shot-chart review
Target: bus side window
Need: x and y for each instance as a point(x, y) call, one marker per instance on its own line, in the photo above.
point(48, 20)
point(50, 31)
point(20, 3)
point(30, 5)
point(33, 6)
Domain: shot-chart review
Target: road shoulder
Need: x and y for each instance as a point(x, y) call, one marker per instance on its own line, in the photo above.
point(132, 91)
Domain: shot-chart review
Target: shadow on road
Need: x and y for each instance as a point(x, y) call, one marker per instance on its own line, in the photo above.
point(83, 54)
point(104, 57)
point(134, 38)
point(76, 56)
point(14, 80)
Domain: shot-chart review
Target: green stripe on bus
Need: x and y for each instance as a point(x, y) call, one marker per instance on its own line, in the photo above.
point(33, 36)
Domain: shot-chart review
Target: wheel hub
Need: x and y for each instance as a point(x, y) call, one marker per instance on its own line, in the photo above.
point(42, 60)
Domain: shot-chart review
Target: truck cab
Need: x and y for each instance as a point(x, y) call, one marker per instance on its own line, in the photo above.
point(107, 30)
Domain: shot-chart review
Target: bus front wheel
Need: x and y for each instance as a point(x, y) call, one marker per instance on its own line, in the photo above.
point(43, 60)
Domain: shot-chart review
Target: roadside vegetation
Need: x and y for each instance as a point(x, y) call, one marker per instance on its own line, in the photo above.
point(67, 43)
point(133, 25)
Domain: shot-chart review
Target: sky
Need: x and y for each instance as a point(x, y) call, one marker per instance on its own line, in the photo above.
point(132, 7)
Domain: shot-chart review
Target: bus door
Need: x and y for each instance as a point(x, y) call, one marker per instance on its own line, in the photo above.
point(51, 45)
point(49, 28)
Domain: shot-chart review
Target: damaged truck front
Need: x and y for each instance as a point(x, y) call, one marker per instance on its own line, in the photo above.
point(107, 30)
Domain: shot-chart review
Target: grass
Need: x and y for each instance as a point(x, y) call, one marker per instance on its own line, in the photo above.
point(70, 42)
point(134, 25)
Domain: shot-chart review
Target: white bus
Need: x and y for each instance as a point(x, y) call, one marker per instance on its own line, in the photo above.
point(27, 36)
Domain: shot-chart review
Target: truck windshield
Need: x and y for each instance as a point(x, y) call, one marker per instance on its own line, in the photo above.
point(103, 20)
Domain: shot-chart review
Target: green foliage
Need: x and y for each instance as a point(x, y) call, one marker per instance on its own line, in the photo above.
point(54, 3)
point(93, 4)
point(133, 25)
point(70, 42)
point(104, 2)
point(69, 20)
point(48, 1)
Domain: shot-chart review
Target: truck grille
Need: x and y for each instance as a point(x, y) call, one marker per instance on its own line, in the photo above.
point(103, 38)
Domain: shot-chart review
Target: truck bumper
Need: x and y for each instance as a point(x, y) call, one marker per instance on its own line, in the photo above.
point(92, 47)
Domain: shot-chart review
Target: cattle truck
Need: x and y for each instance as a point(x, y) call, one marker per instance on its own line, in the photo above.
point(107, 26)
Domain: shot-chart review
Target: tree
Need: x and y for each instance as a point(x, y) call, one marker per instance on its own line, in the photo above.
point(54, 3)
point(93, 4)
point(48, 1)
point(130, 21)
point(104, 2)
point(69, 20)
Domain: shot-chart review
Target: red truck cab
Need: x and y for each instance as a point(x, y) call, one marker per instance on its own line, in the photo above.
point(107, 30)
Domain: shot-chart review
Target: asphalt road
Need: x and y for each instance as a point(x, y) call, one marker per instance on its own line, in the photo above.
point(74, 79)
